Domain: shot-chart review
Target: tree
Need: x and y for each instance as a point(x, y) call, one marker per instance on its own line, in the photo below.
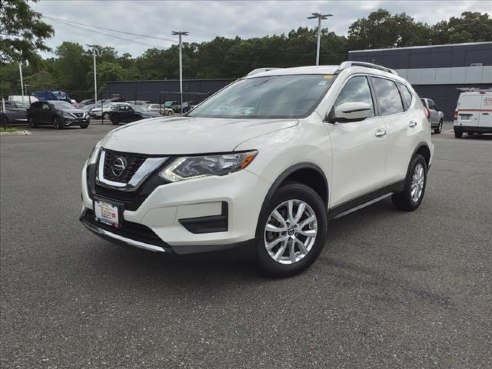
point(72, 66)
point(470, 27)
point(381, 30)
point(42, 80)
point(22, 32)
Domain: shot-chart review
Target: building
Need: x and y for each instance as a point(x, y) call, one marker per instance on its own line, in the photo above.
point(437, 71)
point(160, 91)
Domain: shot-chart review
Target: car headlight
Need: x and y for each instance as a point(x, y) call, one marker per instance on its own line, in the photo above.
point(188, 167)
point(95, 153)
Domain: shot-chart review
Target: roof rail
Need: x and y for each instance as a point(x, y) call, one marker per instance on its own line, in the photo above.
point(260, 70)
point(349, 64)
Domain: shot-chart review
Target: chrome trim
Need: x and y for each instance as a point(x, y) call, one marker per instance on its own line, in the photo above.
point(145, 170)
point(102, 232)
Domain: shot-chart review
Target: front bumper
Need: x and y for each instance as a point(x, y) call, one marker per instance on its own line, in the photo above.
point(75, 121)
point(204, 214)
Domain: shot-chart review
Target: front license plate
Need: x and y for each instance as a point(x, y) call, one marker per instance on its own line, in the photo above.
point(107, 213)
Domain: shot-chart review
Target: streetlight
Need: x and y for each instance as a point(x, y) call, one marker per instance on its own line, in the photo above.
point(94, 52)
point(320, 17)
point(180, 34)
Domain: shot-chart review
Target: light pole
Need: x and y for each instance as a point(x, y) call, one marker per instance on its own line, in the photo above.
point(320, 17)
point(94, 52)
point(180, 34)
point(21, 80)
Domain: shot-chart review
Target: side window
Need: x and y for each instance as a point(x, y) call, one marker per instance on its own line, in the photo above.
point(356, 90)
point(46, 106)
point(388, 96)
point(36, 106)
point(406, 95)
point(432, 105)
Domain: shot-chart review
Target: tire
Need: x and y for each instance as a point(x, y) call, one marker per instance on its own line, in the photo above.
point(106, 116)
point(439, 127)
point(458, 134)
point(57, 123)
point(169, 113)
point(30, 123)
point(411, 197)
point(284, 253)
point(84, 126)
point(115, 122)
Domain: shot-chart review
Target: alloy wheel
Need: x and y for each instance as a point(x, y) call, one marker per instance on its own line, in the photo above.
point(417, 185)
point(290, 231)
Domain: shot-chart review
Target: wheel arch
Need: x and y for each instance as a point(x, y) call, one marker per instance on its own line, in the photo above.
point(422, 149)
point(308, 174)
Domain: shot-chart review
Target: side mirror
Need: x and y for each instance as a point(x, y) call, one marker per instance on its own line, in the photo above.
point(350, 112)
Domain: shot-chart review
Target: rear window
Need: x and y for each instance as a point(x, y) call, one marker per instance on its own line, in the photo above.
point(388, 96)
point(406, 95)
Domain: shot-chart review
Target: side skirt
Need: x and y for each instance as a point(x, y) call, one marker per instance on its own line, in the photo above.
point(365, 200)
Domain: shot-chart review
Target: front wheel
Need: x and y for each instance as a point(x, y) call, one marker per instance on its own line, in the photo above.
point(83, 126)
point(413, 193)
point(292, 230)
point(57, 123)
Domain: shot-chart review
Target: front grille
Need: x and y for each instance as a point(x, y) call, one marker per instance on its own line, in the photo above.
point(130, 199)
point(78, 115)
point(133, 231)
point(133, 162)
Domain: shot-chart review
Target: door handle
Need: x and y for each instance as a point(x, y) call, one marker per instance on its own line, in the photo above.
point(380, 132)
point(485, 113)
point(412, 124)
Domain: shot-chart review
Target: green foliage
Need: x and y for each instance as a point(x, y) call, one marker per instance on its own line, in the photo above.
point(22, 32)
point(470, 27)
point(42, 80)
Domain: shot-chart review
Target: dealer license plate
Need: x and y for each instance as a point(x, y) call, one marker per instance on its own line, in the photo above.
point(107, 213)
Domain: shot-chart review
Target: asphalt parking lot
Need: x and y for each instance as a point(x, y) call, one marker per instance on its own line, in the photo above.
point(390, 290)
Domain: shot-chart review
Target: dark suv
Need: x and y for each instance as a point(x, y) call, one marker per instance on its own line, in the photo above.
point(58, 113)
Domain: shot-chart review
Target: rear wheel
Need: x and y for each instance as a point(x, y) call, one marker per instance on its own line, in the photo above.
point(413, 193)
point(458, 134)
point(292, 230)
point(170, 113)
point(30, 123)
point(57, 123)
point(439, 127)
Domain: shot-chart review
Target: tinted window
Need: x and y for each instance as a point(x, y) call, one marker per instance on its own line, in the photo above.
point(356, 90)
point(36, 105)
point(388, 96)
point(406, 95)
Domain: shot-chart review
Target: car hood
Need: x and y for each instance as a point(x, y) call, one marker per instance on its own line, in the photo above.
point(73, 111)
point(189, 135)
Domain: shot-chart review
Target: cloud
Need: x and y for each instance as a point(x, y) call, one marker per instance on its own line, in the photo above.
point(205, 20)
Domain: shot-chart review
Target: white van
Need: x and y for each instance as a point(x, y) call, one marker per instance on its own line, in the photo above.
point(473, 113)
point(26, 98)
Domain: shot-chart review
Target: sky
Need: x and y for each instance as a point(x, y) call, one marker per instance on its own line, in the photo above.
point(204, 20)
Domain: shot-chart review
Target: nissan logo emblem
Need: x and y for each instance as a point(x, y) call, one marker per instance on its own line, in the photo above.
point(118, 166)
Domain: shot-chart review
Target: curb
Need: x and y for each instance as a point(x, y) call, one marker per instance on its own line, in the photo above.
point(16, 133)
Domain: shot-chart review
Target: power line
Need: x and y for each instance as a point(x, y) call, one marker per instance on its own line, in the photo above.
point(106, 34)
point(109, 29)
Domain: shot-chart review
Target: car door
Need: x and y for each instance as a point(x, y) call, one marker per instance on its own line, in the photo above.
point(35, 112)
point(358, 148)
point(402, 124)
point(485, 120)
point(46, 113)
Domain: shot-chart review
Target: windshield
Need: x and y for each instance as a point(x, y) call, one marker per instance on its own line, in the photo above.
point(286, 96)
point(62, 105)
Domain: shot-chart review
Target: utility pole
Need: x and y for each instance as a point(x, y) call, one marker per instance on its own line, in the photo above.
point(319, 16)
point(21, 80)
point(180, 34)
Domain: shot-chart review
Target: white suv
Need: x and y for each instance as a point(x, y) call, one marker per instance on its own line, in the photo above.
point(265, 162)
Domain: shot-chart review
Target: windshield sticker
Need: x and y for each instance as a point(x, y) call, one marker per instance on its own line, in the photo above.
point(328, 76)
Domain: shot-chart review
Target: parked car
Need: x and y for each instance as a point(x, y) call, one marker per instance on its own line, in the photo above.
point(106, 109)
point(187, 106)
point(174, 105)
point(473, 113)
point(57, 113)
point(27, 99)
point(161, 109)
point(126, 113)
point(263, 163)
point(15, 112)
point(86, 102)
point(436, 116)
point(137, 102)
